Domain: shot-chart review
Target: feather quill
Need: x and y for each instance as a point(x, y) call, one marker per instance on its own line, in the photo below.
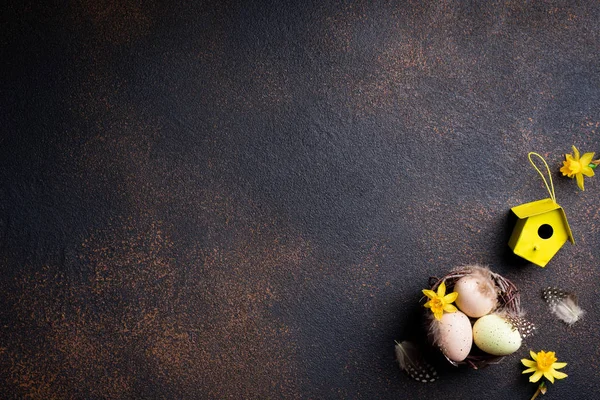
point(563, 304)
point(412, 362)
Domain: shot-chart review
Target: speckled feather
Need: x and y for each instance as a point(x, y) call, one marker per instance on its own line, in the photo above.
point(563, 304)
point(525, 327)
point(411, 361)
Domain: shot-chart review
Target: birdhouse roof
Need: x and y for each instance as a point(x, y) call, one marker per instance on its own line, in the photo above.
point(540, 207)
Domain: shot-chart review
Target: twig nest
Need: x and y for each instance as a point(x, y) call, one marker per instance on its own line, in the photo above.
point(489, 316)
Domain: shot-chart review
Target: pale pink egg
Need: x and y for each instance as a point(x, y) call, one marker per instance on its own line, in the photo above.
point(476, 296)
point(456, 335)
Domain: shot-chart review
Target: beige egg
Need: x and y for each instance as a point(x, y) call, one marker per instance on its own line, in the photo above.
point(456, 335)
point(476, 296)
point(495, 335)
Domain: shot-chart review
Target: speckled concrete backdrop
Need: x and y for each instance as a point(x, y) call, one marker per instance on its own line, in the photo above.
point(223, 200)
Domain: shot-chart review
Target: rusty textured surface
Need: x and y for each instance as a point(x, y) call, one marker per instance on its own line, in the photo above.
point(222, 200)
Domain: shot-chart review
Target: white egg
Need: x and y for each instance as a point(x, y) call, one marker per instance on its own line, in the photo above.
point(476, 295)
point(495, 335)
point(455, 335)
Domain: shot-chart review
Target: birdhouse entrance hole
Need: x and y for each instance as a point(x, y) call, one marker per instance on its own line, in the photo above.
point(545, 231)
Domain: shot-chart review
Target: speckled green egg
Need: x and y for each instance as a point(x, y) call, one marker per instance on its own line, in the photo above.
point(495, 335)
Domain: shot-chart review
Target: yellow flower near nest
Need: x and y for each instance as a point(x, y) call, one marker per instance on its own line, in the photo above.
point(543, 364)
point(440, 301)
point(577, 167)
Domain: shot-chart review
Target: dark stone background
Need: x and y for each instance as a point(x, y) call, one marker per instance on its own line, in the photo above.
point(207, 200)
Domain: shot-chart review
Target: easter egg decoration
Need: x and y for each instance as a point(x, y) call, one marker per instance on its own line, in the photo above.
point(455, 336)
point(477, 293)
point(496, 335)
point(475, 290)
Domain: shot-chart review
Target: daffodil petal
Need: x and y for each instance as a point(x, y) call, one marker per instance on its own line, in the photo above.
point(565, 169)
point(450, 308)
point(438, 314)
point(441, 290)
point(576, 153)
point(533, 355)
point(428, 304)
point(528, 370)
point(580, 181)
point(559, 365)
point(587, 171)
point(559, 375)
point(429, 293)
point(535, 377)
point(450, 298)
point(549, 376)
point(586, 158)
point(528, 363)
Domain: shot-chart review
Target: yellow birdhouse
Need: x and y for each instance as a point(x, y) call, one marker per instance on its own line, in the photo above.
point(542, 227)
point(541, 230)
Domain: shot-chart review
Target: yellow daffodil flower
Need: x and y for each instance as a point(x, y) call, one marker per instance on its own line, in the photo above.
point(543, 363)
point(574, 166)
point(440, 301)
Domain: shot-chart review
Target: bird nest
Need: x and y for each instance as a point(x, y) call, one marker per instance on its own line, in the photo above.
point(509, 304)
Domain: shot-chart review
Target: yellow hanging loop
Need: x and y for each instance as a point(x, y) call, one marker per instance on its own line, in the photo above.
point(549, 187)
